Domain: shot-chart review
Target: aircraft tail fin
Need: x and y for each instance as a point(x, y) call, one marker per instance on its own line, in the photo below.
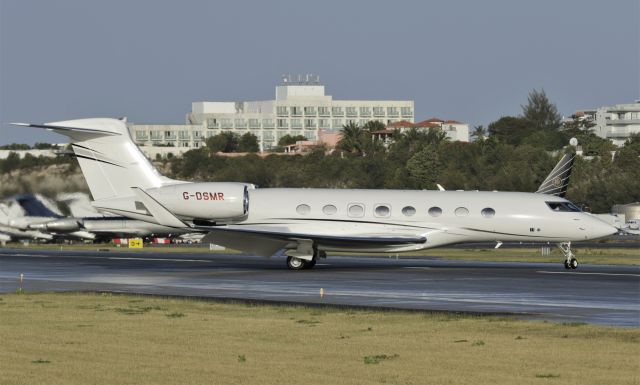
point(557, 181)
point(111, 162)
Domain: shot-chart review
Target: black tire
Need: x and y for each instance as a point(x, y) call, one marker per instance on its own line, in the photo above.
point(573, 263)
point(294, 263)
point(566, 265)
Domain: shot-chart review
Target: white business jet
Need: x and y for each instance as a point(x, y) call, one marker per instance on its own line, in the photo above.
point(307, 223)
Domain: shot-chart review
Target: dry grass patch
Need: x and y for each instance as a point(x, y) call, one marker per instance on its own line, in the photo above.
point(105, 339)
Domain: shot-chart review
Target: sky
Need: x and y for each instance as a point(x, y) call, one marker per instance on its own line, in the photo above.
point(472, 61)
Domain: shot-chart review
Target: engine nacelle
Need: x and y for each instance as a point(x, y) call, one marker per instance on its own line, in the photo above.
point(63, 225)
point(208, 201)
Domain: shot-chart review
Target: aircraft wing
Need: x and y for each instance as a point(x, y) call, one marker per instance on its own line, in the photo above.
point(267, 242)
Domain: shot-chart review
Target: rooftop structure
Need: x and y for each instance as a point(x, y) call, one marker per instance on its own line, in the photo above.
point(616, 123)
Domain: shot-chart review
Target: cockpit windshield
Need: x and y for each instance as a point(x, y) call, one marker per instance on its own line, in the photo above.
point(563, 206)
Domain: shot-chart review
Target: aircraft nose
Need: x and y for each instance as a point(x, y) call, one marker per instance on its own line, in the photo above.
point(601, 229)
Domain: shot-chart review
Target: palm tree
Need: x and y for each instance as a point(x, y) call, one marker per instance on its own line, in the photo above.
point(479, 133)
point(353, 137)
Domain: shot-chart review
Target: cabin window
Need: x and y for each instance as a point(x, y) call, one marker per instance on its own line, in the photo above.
point(329, 209)
point(303, 209)
point(435, 211)
point(563, 206)
point(355, 210)
point(462, 212)
point(488, 212)
point(408, 211)
point(382, 211)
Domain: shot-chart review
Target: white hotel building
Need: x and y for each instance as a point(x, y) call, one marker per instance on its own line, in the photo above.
point(300, 107)
point(616, 123)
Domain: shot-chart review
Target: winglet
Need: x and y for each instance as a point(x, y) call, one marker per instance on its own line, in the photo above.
point(158, 212)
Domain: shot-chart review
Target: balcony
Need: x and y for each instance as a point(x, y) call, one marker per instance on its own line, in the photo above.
point(324, 111)
point(378, 112)
point(337, 112)
point(619, 133)
point(352, 112)
point(309, 111)
point(622, 122)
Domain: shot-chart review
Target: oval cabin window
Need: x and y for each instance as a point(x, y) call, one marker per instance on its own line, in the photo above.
point(329, 209)
point(382, 211)
point(303, 209)
point(435, 211)
point(462, 212)
point(488, 212)
point(356, 210)
point(408, 211)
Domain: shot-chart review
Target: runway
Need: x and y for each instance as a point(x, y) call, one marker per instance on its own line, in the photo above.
point(608, 295)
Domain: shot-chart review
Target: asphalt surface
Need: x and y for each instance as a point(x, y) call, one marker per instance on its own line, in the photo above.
point(608, 295)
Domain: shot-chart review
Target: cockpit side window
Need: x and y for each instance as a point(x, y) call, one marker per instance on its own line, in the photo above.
point(563, 207)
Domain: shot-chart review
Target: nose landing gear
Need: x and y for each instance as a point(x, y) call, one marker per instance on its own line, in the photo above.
point(571, 263)
point(296, 262)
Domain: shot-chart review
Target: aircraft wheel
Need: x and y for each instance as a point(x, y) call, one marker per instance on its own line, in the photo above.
point(573, 263)
point(566, 265)
point(294, 263)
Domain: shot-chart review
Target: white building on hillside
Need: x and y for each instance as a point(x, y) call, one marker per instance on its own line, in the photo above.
point(617, 123)
point(300, 107)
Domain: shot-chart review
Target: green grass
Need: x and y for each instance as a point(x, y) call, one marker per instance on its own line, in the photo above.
point(125, 339)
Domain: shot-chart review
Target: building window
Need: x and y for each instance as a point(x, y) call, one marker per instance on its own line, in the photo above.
point(183, 134)
point(310, 111)
point(337, 111)
point(323, 111)
point(461, 212)
point(254, 123)
point(282, 123)
point(309, 123)
point(212, 123)
point(310, 135)
point(329, 209)
point(365, 111)
point(226, 123)
point(488, 212)
point(406, 111)
point(435, 211)
point(303, 209)
point(392, 111)
point(352, 111)
point(241, 123)
point(337, 124)
point(282, 111)
point(268, 123)
point(378, 111)
point(140, 135)
point(382, 211)
point(355, 210)
point(296, 111)
point(324, 123)
point(408, 211)
point(296, 123)
point(267, 135)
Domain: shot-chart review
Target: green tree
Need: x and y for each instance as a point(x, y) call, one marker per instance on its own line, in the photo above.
point(288, 140)
point(225, 141)
point(353, 139)
point(248, 143)
point(540, 112)
point(373, 125)
point(479, 133)
point(11, 163)
point(510, 129)
point(425, 167)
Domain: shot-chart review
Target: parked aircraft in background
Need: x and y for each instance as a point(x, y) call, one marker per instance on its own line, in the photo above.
point(9, 233)
point(308, 222)
point(39, 216)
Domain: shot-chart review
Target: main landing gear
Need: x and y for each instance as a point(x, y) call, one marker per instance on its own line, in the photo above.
point(299, 263)
point(571, 263)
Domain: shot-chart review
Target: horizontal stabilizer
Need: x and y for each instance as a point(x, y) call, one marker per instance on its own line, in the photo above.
point(160, 213)
point(557, 181)
point(68, 130)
